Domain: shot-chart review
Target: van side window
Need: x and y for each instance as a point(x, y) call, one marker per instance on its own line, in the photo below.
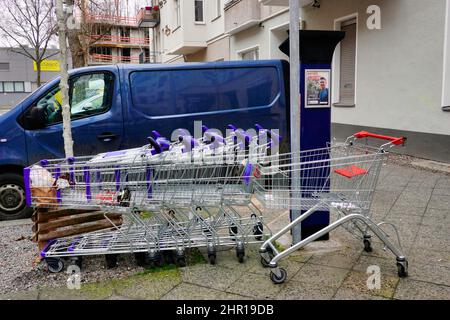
point(90, 94)
point(165, 93)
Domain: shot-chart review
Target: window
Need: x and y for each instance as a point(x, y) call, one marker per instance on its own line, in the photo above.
point(1, 86)
point(8, 86)
point(90, 94)
point(218, 8)
point(348, 63)
point(250, 54)
point(125, 34)
point(4, 66)
point(177, 13)
point(126, 55)
point(19, 87)
point(199, 11)
point(203, 90)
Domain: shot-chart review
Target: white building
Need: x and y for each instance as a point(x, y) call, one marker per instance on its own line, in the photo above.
point(393, 80)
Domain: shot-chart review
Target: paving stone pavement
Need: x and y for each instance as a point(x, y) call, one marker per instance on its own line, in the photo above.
point(417, 201)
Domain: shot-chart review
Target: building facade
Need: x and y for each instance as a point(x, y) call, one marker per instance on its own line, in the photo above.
point(18, 76)
point(121, 39)
point(391, 73)
point(191, 30)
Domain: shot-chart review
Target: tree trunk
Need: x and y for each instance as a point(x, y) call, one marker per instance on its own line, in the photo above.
point(38, 73)
point(64, 83)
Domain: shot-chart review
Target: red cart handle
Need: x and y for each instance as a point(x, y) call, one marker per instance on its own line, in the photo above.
point(394, 140)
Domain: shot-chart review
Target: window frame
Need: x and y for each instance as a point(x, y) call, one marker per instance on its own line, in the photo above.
point(218, 12)
point(336, 65)
point(4, 87)
point(23, 87)
point(177, 4)
point(255, 49)
point(1, 87)
point(9, 67)
point(203, 12)
point(72, 78)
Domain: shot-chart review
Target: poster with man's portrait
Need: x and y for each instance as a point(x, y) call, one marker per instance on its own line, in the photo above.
point(318, 94)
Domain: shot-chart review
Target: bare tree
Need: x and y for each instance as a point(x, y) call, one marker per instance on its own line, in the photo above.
point(28, 26)
point(96, 20)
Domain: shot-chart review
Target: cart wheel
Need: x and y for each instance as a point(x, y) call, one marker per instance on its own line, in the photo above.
point(367, 246)
point(54, 265)
point(258, 231)
point(212, 258)
point(264, 263)
point(233, 230)
point(181, 262)
point(111, 261)
point(278, 280)
point(402, 269)
point(155, 260)
point(140, 258)
point(240, 252)
point(78, 261)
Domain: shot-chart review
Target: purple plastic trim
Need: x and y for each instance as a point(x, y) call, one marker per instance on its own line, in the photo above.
point(117, 177)
point(26, 180)
point(43, 162)
point(72, 244)
point(47, 246)
point(204, 129)
point(247, 173)
point(70, 160)
point(87, 180)
point(149, 173)
point(156, 134)
point(58, 192)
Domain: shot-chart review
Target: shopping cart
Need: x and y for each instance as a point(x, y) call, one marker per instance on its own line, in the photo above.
point(340, 178)
point(195, 202)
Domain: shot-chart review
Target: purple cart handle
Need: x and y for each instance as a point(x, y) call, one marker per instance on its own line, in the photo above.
point(156, 134)
point(204, 129)
point(155, 145)
point(244, 137)
point(232, 127)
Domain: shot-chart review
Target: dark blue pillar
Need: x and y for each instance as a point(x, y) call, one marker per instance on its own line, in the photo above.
point(316, 54)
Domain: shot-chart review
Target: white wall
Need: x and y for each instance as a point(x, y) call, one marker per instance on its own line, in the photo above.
point(446, 73)
point(190, 32)
point(399, 68)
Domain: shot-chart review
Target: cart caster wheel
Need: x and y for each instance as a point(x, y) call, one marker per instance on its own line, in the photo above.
point(54, 265)
point(233, 231)
point(258, 231)
point(402, 269)
point(181, 262)
point(78, 261)
point(240, 252)
point(264, 263)
point(111, 261)
point(212, 259)
point(367, 246)
point(278, 280)
point(155, 261)
point(140, 258)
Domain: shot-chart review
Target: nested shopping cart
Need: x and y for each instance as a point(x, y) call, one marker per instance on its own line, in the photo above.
point(340, 178)
point(194, 201)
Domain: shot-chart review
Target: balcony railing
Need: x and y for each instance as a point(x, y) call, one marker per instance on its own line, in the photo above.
point(112, 59)
point(118, 40)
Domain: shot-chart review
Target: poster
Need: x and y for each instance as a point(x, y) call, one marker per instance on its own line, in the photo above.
point(48, 65)
point(317, 88)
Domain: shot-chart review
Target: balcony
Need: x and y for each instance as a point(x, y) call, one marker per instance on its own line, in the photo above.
point(148, 17)
point(241, 15)
point(96, 59)
point(303, 3)
point(111, 20)
point(118, 41)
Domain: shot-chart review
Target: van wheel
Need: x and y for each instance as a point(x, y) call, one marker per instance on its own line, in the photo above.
point(12, 197)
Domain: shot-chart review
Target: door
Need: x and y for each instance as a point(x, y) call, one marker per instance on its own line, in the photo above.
point(96, 113)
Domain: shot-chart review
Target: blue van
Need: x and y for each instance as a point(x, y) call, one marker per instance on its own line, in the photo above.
point(116, 107)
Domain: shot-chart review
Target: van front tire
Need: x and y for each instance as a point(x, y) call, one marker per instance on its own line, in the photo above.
point(12, 197)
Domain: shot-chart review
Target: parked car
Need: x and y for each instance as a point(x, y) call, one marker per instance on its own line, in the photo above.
point(116, 107)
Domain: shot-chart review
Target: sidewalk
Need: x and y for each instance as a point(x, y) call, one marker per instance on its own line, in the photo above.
point(417, 201)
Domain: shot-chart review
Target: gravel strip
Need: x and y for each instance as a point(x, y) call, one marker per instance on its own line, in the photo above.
point(20, 272)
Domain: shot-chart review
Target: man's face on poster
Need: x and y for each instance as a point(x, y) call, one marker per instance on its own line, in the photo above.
point(323, 84)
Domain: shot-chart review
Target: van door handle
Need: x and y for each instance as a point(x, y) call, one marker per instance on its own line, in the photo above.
point(107, 136)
